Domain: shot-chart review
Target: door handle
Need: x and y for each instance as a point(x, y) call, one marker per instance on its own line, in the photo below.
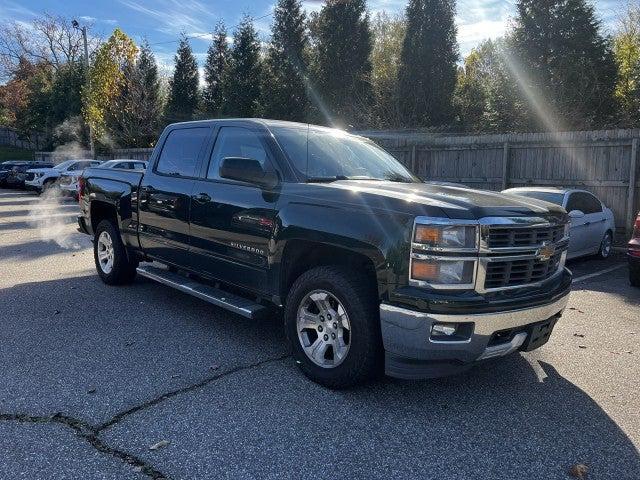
point(202, 198)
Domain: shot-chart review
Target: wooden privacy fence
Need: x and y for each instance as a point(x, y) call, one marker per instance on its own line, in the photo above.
point(603, 162)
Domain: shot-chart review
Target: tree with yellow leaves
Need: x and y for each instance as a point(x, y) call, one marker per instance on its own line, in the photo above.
point(106, 80)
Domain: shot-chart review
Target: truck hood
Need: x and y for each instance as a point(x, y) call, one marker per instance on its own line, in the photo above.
point(455, 202)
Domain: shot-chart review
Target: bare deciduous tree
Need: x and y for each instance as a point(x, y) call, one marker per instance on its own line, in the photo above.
point(48, 39)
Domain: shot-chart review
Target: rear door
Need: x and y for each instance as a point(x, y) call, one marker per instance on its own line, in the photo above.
point(232, 222)
point(165, 194)
point(596, 221)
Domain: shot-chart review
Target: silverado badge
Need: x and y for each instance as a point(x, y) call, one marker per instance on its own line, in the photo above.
point(545, 252)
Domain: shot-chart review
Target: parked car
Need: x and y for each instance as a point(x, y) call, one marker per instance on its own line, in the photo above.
point(6, 168)
point(592, 223)
point(17, 175)
point(69, 180)
point(370, 266)
point(633, 254)
point(40, 179)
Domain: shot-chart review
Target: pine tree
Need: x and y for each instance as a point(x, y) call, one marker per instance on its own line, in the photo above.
point(342, 40)
point(244, 75)
point(565, 66)
point(214, 69)
point(183, 95)
point(135, 118)
point(284, 90)
point(427, 73)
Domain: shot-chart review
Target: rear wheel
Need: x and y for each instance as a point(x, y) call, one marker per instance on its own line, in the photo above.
point(112, 262)
point(606, 246)
point(331, 320)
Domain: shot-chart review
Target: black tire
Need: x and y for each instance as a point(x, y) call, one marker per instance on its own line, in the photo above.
point(634, 275)
point(123, 269)
point(364, 358)
point(606, 245)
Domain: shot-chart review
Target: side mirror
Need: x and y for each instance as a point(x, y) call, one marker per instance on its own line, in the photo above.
point(247, 170)
point(576, 214)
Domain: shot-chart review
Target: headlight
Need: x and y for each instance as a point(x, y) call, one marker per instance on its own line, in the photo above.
point(446, 236)
point(443, 272)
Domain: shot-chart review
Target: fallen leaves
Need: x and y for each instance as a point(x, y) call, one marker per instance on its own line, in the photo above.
point(159, 445)
point(579, 471)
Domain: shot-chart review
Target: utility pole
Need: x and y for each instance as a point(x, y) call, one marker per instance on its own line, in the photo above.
point(76, 25)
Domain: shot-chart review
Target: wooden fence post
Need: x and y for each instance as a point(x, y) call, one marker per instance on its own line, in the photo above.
point(413, 156)
point(505, 165)
point(632, 185)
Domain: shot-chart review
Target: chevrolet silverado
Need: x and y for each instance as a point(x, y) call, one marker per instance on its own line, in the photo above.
point(372, 268)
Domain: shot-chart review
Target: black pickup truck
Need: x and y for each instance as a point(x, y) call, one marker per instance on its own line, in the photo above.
point(372, 268)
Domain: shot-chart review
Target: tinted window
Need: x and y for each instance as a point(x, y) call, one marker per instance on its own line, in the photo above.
point(585, 202)
point(180, 151)
point(235, 142)
point(551, 197)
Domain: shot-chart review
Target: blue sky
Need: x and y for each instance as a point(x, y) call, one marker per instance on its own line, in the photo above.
point(161, 21)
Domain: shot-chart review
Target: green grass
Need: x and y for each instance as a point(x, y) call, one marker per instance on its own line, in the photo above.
point(13, 153)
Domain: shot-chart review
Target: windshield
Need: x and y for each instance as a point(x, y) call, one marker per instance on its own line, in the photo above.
point(551, 197)
point(64, 165)
point(324, 154)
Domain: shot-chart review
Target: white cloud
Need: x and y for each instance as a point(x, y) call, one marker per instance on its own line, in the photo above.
point(174, 16)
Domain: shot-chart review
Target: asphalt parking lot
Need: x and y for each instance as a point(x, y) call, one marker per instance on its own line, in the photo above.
point(142, 381)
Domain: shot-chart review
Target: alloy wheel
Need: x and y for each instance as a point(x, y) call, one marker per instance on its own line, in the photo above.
point(323, 329)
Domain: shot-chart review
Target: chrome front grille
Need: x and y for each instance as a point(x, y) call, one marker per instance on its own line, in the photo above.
point(513, 273)
point(500, 237)
point(518, 255)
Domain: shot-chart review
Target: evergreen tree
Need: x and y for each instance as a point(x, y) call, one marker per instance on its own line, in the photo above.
point(183, 95)
point(564, 64)
point(284, 90)
point(486, 97)
point(134, 119)
point(627, 55)
point(342, 41)
point(427, 73)
point(214, 69)
point(244, 75)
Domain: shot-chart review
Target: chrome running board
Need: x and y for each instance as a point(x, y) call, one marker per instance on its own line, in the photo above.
point(234, 303)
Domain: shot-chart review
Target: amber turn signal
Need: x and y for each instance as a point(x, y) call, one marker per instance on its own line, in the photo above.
point(421, 270)
point(428, 235)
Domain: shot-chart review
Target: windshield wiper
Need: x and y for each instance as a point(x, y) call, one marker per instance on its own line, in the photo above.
point(338, 177)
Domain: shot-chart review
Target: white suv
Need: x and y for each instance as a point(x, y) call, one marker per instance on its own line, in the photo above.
point(40, 179)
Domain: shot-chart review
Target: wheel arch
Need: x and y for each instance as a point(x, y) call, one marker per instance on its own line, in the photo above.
point(301, 255)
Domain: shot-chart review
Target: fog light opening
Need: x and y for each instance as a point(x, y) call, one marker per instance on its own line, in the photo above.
point(443, 329)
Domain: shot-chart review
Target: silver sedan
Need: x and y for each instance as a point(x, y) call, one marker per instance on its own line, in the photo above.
point(592, 223)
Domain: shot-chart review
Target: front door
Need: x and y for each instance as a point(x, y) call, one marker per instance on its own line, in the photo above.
point(165, 195)
point(232, 222)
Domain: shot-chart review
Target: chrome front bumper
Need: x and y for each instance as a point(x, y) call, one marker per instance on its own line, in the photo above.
point(411, 352)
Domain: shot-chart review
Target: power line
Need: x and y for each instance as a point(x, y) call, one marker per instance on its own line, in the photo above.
point(201, 35)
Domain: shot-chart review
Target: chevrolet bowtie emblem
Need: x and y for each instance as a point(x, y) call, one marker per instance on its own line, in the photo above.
point(545, 252)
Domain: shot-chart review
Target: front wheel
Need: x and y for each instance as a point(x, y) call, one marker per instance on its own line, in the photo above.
point(331, 321)
point(112, 262)
point(606, 245)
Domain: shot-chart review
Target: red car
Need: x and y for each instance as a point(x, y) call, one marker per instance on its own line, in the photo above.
point(634, 254)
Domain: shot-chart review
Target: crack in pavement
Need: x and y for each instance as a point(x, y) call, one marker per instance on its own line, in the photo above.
point(91, 433)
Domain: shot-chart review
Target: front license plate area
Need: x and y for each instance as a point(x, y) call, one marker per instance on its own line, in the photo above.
point(539, 334)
